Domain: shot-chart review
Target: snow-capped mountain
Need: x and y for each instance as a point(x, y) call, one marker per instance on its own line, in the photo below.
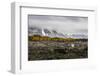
point(53, 33)
point(77, 35)
point(44, 32)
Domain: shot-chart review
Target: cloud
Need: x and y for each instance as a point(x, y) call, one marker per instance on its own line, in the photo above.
point(64, 24)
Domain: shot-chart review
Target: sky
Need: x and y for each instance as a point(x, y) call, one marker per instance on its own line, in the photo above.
point(62, 24)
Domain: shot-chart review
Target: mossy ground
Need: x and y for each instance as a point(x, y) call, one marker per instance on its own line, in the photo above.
point(53, 49)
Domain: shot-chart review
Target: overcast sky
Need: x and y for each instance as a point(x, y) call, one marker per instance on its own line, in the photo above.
point(63, 24)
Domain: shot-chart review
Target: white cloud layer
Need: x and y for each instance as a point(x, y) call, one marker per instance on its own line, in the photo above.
point(63, 24)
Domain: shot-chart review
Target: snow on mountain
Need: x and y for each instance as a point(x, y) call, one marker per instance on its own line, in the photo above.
point(53, 33)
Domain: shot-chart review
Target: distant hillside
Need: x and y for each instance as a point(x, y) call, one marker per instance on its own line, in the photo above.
point(53, 33)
